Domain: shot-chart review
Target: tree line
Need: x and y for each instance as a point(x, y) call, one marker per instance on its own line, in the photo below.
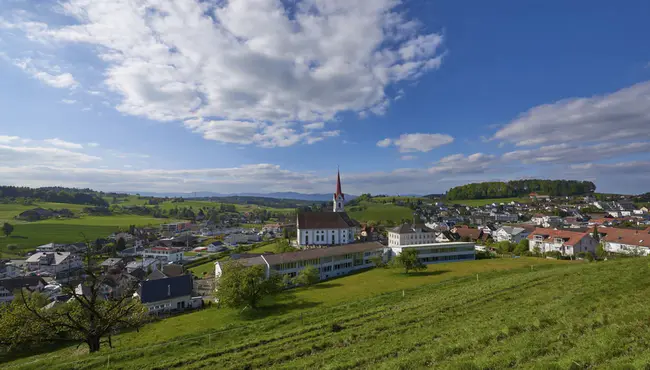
point(54, 194)
point(518, 188)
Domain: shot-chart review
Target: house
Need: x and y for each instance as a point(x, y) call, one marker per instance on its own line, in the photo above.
point(327, 228)
point(439, 252)
point(272, 228)
point(53, 262)
point(8, 287)
point(512, 234)
point(468, 234)
point(445, 237)
point(369, 234)
point(168, 294)
point(438, 226)
point(504, 217)
point(131, 252)
point(165, 254)
point(626, 241)
point(568, 243)
point(35, 214)
point(330, 262)
point(408, 234)
point(536, 196)
point(9, 270)
point(547, 221)
point(216, 247)
point(145, 264)
point(113, 264)
point(233, 239)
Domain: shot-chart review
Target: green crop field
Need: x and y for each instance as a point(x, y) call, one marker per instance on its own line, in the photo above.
point(482, 202)
point(380, 212)
point(443, 317)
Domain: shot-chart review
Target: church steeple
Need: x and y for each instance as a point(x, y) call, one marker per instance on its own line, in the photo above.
point(339, 198)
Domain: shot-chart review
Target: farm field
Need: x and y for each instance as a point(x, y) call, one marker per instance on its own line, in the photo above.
point(380, 212)
point(482, 202)
point(294, 329)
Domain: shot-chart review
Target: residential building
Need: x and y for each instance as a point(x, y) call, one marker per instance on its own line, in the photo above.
point(626, 241)
point(568, 243)
point(145, 265)
point(330, 262)
point(511, 234)
point(131, 252)
point(175, 227)
point(165, 254)
point(408, 234)
point(168, 294)
point(113, 264)
point(439, 252)
point(445, 237)
point(504, 217)
point(535, 196)
point(8, 287)
point(369, 234)
point(468, 234)
point(438, 226)
point(53, 262)
point(233, 239)
point(547, 221)
point(216, 246)
point(9, 270)
point(327, 228)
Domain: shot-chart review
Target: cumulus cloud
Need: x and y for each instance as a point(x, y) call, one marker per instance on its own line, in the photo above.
point(63, 144)
point(46, 74)
point(261, 63)
point(30, 155)
point(408, 143)
point(624, 114)
point(634, 168)
point(7, 139)
point(68, 101)
point(462, 164)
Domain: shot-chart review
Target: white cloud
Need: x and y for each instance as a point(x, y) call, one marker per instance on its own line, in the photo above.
point(460, 164)
point(248, 61)
point(624, 114)
point(92, 145)
point(47, 74)
point(35, 155)
point(384, 143)
point(315, 126)
point(408, 143)
point(63, 144)
point(8, 139)
point(567, 153)
point(68, 101)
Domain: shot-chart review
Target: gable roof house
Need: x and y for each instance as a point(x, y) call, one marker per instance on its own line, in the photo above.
point(512, 234)
point(469, 234)
point(568, 243)
point(53, 262)
point(626, 241)
point(167, 294)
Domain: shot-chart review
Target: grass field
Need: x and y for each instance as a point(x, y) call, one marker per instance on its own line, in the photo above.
point(442, 312)
point(207, 267)
point(381, 212)
point(264, 248)
point(482, 202)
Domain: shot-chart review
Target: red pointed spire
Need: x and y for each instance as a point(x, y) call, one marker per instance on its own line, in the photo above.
point(338, 185)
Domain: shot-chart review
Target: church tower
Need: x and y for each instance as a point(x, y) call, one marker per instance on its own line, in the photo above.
point(339, 198)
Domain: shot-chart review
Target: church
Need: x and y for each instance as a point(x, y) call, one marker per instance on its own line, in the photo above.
point(327, 228)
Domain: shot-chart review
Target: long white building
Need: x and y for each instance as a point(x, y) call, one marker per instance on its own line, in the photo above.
point(439, 252)
point(330, 262)
point(407, 234)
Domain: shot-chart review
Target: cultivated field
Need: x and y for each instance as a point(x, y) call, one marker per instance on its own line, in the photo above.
point(442, 316)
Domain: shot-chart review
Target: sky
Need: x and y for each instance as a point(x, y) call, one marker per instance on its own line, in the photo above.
point(405, 97)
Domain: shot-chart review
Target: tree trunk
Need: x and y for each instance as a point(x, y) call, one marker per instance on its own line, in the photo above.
point(93, 343)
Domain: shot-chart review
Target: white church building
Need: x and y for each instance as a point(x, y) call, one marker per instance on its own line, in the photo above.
point(327, 228)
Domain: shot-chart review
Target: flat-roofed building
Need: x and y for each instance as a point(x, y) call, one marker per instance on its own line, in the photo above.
point(439, 252)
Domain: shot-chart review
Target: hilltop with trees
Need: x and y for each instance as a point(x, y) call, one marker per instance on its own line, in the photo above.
point(518, 188)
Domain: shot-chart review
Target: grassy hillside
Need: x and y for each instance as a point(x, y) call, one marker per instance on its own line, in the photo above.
point(439, 306)
point(367, 211)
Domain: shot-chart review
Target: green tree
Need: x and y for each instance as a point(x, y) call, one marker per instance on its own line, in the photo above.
point(241, 286)
point(378, 261)
point(600, 250)
point(504, 247)
point(307, 276)
point(283, 246)
point(537, 250)
point(7, 229)
point(408, 260)
point(595, 234)
point(285, 233)
point(522, 247)
point(88, 316)
point(120, 245)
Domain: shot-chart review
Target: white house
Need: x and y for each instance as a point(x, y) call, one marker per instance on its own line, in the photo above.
point(53, 262)
point(241, 238)
point(512, 234)
point(626, 241)
point(568, 243)
point(439, 252)
point(330, 262)
point(546, 221)
point(438, 226)
point(408, 234)
point(168, 294)
point(327, 228)
point(144, 264)
point(165, 254)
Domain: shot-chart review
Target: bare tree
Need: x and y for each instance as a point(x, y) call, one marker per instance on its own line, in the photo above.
point(91, 314)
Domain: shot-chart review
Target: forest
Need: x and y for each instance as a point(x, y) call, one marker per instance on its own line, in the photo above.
point(53, 194)
point(518, 188)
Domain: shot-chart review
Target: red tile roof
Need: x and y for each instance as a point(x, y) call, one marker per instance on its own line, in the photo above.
point(568, 237)
point(472, 234)
point(627, 236)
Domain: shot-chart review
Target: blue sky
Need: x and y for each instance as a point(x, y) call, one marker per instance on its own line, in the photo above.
point(252, 96)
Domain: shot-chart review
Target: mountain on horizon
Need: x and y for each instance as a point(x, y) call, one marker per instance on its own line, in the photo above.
point(277, 195)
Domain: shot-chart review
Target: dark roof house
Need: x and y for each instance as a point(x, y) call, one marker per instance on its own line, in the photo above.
point(163, 289)
point(325, 220)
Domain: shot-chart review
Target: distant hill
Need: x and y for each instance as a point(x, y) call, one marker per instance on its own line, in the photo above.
point(518, 188)
point(277, 195)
